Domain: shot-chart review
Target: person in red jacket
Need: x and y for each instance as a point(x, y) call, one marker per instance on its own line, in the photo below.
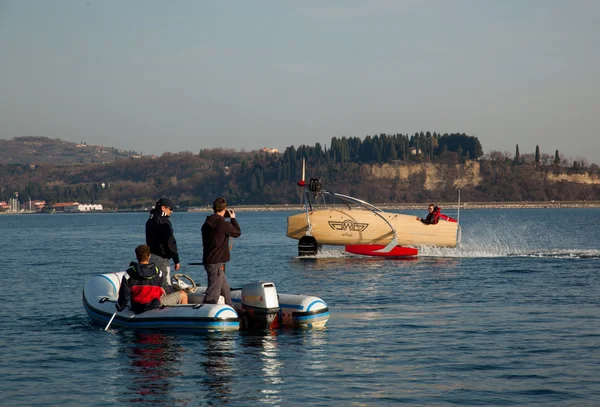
point(216, 232)
point(142, 285)
point(432, 217)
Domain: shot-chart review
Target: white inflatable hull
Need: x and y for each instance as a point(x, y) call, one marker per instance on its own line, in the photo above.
point(101, 292)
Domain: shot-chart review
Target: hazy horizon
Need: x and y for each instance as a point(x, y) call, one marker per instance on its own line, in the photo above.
point(158, 77)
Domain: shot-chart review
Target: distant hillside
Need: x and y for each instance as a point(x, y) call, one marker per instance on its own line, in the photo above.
point(36, 150)
point(380, 169)
point(194, 180)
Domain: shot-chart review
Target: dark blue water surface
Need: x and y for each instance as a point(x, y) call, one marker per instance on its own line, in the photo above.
point(510, 318)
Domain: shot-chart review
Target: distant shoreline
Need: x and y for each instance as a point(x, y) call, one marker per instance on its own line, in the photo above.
point(396, 206)
point(415, 206)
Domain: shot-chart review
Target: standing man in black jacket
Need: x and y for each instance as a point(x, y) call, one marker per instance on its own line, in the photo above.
point(161, 240)
point(215, 242)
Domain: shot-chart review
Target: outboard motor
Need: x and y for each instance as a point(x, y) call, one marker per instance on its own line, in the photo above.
point(260, 306)
point(307, 246)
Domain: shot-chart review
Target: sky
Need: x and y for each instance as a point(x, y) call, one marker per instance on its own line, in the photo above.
point(171, 76)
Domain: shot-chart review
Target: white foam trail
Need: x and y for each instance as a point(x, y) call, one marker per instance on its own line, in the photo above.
point(327, 254)
point(456, 252)
point(486, 250)
point(566, 254)
point(479, 250)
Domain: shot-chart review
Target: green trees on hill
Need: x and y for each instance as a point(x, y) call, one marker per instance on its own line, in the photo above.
point(385, 148)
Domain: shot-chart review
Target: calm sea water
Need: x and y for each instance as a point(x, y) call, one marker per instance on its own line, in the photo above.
point(510, 318)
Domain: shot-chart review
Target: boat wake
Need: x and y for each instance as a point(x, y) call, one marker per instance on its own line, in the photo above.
point(565, 254)
point(482, 251)
point(328, 254)
point(503, 238)
point(474, 251)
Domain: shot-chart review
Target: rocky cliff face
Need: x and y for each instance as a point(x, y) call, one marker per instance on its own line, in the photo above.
point(436, 175)
point(586, 178)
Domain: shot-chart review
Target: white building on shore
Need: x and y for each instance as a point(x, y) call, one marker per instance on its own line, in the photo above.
point(76, 207)
point(89, 207)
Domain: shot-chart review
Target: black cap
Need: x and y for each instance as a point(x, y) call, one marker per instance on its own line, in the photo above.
point(165, 202)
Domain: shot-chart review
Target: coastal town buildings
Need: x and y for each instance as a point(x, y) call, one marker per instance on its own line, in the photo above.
point(14, 206)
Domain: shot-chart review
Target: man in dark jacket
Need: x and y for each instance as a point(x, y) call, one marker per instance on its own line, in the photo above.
point(216, 232)
point(142, 285)
point(161, 240)
point(432, 217)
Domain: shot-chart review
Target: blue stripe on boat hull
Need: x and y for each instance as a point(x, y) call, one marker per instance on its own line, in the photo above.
point(186, 323)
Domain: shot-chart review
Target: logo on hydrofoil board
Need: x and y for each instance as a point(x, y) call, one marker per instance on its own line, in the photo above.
point(348, 225)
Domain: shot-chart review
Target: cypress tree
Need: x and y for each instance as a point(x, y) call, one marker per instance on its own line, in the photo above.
point(393, 152)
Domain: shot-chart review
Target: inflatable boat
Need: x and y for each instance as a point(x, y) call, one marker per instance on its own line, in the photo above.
point(255, 306)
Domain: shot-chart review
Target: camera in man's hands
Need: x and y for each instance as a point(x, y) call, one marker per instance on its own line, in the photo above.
point(227, 214)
